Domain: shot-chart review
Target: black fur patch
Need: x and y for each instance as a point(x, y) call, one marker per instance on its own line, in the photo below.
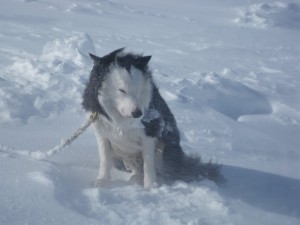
point(137, 61)
point(90, 96)
point(176, 164)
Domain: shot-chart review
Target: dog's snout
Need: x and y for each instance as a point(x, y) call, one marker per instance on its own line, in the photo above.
point(137, 113)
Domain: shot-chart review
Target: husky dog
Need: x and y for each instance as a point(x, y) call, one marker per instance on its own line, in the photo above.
point(135, 126)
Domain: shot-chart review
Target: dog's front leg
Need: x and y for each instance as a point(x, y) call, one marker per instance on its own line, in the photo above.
point(105, 156)
point(149, 163)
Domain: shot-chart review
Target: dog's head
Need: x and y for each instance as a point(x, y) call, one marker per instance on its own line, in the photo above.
point(120, 86)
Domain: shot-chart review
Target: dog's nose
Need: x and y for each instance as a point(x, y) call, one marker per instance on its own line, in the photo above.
point(137, 113)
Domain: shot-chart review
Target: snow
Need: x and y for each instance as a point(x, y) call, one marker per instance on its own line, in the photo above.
point(229, 71)
point(265, 14)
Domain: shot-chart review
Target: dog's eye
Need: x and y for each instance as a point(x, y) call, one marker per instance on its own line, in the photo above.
point(123, 91)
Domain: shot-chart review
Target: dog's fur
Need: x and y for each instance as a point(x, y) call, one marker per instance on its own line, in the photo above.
point(135, 126)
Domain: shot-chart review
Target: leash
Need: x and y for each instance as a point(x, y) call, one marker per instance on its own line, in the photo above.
point(41, 155)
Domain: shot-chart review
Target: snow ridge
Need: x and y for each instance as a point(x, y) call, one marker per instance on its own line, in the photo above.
point(278, 14)
point(229, 71)
point(32, 87)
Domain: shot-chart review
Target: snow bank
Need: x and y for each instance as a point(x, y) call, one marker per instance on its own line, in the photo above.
point(72, 51)
point(278, 14)
point(46, 85)
point(245, 114)
point(227, 96)
point(89, 8)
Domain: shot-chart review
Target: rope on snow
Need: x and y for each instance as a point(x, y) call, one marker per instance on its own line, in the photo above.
point(56, 149)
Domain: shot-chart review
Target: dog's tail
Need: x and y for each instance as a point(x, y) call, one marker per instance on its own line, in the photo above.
point(193, 168)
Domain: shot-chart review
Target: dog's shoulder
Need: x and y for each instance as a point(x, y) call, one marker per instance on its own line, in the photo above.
point(159, 120)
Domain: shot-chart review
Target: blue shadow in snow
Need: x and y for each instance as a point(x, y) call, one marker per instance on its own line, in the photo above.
point(269, 192)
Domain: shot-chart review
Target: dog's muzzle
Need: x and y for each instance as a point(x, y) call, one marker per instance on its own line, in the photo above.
point(137, 113)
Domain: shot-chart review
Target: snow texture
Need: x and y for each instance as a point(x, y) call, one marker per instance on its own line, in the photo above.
point(265, 14)
point(229, 71)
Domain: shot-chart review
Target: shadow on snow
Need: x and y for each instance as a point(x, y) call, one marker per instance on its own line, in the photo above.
point(269, 192)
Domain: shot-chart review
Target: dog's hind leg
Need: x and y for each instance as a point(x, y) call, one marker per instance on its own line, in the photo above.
point(135, 164)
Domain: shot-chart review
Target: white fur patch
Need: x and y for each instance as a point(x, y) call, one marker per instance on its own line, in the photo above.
point(121, 94)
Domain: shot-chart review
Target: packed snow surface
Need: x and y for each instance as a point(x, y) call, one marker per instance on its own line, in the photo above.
point(229, 71)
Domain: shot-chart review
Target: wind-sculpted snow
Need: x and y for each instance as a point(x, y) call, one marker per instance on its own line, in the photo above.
point(226, 96)
point(33, 86)
point(278, 14)
point(233, 88)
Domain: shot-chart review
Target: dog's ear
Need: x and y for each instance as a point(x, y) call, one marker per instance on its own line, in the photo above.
point(109, 58)
point(142, 62)
point(115, 52)
point(95, 58)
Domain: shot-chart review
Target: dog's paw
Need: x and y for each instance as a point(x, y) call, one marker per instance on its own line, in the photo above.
point(136, 179)
point(149, 186)
point(101, 182)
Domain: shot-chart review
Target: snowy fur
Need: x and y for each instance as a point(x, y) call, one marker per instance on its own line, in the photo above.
point(135, 124)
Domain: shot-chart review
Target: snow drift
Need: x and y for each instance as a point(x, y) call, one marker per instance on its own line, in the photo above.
point(229, 71)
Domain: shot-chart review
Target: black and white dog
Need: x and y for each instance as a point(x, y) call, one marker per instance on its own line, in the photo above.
point(135, 126)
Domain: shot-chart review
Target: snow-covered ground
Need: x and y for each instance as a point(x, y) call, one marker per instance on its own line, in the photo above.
point(229, 70)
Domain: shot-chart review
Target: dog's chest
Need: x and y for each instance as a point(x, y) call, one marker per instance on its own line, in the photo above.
point(126, 139)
